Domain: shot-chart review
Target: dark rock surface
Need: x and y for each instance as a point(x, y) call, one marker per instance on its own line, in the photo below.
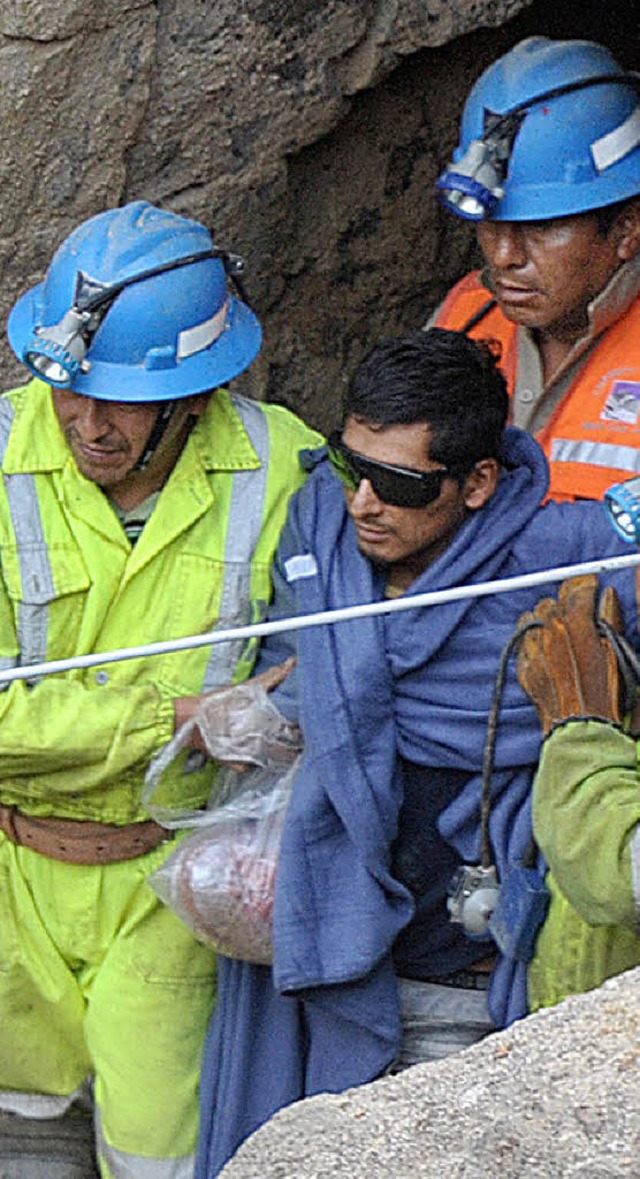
point(307, 135)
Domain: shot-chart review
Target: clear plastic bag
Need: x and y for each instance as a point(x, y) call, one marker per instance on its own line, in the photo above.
point(237, 724)
point(220, 880)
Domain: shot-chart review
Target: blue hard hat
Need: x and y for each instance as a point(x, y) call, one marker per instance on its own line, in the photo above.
point(546, 134)
point(135, 306)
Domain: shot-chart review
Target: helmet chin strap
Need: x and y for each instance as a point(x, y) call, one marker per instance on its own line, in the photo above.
point(158, 430)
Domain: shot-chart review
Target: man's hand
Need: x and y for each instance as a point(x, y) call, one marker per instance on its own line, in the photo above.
point(240, 717)
point(564, 664)
point(186, 707)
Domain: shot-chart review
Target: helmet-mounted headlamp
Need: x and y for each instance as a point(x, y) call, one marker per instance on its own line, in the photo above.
point(57, 353)
point(473, 186)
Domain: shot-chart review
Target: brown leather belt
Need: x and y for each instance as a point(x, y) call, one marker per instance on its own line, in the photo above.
point(77, 842)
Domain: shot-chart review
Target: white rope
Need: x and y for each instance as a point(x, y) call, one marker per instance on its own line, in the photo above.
point(321, 618)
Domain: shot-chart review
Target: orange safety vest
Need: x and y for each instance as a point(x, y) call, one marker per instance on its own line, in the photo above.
point(593, 438)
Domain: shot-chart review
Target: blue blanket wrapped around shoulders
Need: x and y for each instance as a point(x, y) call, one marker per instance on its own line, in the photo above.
point(417, 683)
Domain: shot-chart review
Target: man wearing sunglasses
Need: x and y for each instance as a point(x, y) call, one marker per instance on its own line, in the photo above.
point(387, 874)
point(386, 480)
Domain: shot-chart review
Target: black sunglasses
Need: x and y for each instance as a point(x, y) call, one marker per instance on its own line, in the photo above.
point(402, 487)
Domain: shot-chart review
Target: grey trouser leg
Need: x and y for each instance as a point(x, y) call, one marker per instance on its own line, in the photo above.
point(47, 1148)
point(438, 1021)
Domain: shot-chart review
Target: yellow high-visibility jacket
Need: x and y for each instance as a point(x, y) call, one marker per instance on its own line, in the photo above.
point(77, 745)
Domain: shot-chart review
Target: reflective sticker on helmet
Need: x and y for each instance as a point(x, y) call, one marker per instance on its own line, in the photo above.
point(617, 143)
point(197, 338)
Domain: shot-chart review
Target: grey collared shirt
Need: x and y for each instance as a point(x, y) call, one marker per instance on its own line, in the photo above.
point(534, 402)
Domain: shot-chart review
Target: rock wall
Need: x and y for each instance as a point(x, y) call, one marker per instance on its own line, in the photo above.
point(554, 1097)
point(307, 135)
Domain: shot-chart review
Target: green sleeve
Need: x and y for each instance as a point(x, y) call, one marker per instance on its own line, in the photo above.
point(586, 815)
point(73, 736)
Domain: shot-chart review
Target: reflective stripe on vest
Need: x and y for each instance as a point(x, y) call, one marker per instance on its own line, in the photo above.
point(122, 1164)
point(35, 567)
point(592, 440)
point(243, 533)
point(635, 871)
point(596, 454)
point(244, 526)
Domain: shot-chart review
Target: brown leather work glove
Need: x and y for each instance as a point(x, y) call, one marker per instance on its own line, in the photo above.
point(565, 665)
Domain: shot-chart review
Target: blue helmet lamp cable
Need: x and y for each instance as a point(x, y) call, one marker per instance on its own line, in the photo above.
point(57, 353)
point(510, 907)
point(622, 505)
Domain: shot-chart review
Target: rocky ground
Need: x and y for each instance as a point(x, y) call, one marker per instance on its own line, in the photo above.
point(557, 1096)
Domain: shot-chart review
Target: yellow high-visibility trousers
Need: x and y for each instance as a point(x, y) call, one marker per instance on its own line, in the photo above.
point(98, 978)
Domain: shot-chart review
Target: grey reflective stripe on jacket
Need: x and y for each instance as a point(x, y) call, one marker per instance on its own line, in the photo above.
point(123, 1165)
point(635, 872)
point(596, 454)
point(35, 567)
point(243, 533)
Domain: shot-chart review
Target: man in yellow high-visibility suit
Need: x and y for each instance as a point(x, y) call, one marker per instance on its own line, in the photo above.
point(139, 501)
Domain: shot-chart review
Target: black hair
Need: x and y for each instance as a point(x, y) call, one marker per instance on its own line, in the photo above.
point(442, 378)
point(608, 214)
